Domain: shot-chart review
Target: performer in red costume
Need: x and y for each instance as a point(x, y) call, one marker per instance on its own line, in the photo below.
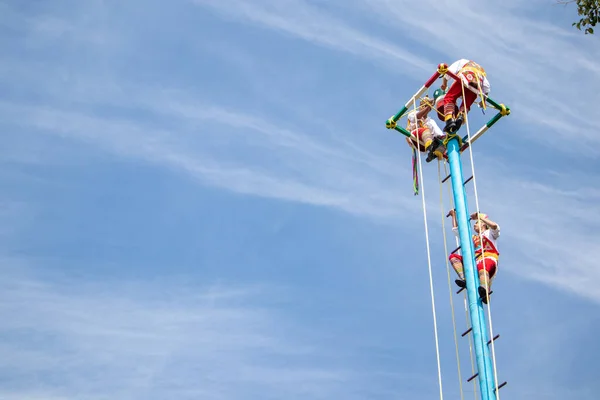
point(473, 77)
point(422, 127)
point(486, 260)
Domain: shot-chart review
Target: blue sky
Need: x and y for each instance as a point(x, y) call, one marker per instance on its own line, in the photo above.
point(200, 200)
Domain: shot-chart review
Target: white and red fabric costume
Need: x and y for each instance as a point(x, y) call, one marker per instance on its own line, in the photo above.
point(472, 75)
point(488, 259)
point(416, 129)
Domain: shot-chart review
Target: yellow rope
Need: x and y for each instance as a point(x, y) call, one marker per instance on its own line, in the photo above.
point(481, 93)
point(451, 136)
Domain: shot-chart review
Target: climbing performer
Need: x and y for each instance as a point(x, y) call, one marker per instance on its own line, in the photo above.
point(471, 75)
point(424, 131)
point(487, 261)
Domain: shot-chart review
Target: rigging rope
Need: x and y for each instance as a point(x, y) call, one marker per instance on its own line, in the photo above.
point(481, 242)
point(437, 347)
point(418, 178)
point(457, 241)
point(449, 279)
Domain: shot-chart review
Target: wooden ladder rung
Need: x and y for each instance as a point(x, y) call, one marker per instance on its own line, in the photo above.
point(494, 339)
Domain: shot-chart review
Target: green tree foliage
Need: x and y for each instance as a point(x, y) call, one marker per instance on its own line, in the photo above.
point(589, 11)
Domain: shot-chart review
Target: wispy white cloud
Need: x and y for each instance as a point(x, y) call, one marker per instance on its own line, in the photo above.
point(125, 341)
point(529, 74)
point(535, 67)
point(534, 351)
point(14, 215)
point(536, 91)
point(306, 171)
point(302, 20)
point(545, 228)
point(320, 180)
point(152, 340)
point(249, 154)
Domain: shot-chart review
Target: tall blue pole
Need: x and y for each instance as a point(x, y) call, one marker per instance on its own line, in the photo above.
point(476, 313)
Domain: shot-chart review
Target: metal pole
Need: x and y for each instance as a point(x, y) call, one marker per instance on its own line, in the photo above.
point(476, 313)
